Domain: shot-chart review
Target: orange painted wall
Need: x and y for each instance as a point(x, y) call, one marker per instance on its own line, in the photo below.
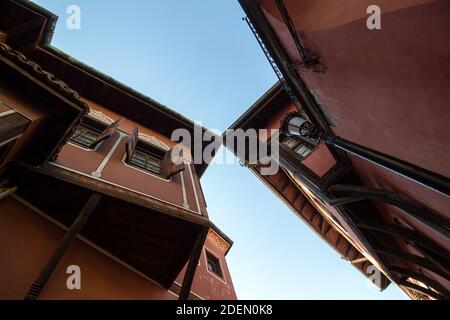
point(28, 240)
point(117, 172)
point(206, 284)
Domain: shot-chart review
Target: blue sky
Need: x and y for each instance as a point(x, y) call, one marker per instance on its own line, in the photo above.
point(199, 58)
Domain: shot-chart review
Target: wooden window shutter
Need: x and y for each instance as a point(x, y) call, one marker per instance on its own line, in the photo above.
point(107, 132)
point(170, 168)
point(201, 195)
point(131, 143)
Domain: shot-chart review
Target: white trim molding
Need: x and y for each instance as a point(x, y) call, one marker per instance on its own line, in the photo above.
point(120, 186)
point(98, 172)
point(206, 251)
point(100, 116)
point(7, 113)
point(188, 164)
point(183, 189)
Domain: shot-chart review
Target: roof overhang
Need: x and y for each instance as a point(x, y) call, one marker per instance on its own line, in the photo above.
point(58, 107)
point(35, 40)
point(151, 237)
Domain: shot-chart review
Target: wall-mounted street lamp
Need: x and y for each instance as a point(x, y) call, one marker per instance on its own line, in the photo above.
point(295, 125)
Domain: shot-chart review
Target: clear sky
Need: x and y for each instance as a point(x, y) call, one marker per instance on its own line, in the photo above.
point(199, 58)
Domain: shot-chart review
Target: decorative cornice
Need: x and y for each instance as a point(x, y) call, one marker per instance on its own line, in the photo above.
point(218, 241)
point(21, 60)
point(100, 116)
point(154, 141)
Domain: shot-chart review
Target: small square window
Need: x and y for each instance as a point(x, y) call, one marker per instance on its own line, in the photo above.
point(290, 143)
point(146, 160)
point(85, 136)
point(299, 146)
point(303, 150)
point(214, 264)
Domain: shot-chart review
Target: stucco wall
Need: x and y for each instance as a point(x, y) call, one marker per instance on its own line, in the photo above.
point(28, 240)
point(117, 172)
point(206, 284)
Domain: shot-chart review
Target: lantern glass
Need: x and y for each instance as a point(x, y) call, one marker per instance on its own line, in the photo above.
point(294, 124)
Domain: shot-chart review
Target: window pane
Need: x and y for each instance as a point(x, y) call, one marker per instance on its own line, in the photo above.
point(214, 265)
point(145, 160)
point(301, 147)
point(290, 143)
point(84, 136)
point(137, 161)
point(304, 151)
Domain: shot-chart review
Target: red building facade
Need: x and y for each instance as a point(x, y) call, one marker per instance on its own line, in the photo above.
point(384, 90)
point(88, 182)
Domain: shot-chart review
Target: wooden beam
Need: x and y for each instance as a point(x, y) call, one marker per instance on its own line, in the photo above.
point(435, 260)
point(345, 200)
point(336, 244)
point(416, 260)
point(45, 274)
point(12, 125)
point(408, 205)
point(5, 192)
point(409, 235)
point(415, 287)
point(200, 193)
point(358, 260)
point(120, 192)
point(429, 282)
point(192, 265)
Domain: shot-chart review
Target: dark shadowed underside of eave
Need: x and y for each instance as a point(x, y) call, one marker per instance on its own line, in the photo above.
point(150, 241)
point(283, 187)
